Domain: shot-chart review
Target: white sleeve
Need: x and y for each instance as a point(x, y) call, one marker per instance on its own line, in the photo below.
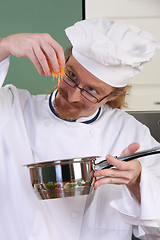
point(145, 218)
point(4, 65)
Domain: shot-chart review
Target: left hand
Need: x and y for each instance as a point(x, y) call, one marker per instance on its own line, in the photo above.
point(127, 173)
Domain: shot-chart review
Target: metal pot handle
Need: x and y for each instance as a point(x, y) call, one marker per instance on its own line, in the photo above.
point(104, 164)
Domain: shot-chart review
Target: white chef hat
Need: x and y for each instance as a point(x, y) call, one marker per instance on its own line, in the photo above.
point(111, 50)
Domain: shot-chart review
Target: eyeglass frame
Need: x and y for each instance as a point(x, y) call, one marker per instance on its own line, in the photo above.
point(82, 90)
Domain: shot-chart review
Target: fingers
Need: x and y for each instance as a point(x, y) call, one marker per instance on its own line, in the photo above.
point(112, 172)
point(120, 165)
point(42, 60)
point(50, 55)
point(58, 50)
point(123, 170)
point(109, 180)
point(38, 47)
point(31, 55)
point(123, 173)
point(52, 51)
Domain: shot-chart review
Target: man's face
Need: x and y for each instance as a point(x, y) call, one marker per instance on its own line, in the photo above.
point(69, 103)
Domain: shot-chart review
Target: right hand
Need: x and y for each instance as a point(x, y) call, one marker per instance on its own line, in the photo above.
point(38, 47)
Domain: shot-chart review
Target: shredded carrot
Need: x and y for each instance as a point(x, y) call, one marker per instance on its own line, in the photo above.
point(58, 75)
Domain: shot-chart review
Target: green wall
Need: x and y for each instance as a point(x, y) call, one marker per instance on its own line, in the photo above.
point(51, 16)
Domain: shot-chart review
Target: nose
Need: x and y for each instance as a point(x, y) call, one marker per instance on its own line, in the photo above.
point(74, 95)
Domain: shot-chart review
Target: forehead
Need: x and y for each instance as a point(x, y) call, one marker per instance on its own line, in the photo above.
point(85, 76)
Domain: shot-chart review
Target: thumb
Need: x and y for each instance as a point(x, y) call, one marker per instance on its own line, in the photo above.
point(132, 148)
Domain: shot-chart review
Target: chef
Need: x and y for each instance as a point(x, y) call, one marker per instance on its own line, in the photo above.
point(78, 119)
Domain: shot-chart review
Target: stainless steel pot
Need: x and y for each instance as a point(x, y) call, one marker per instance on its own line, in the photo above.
point(71, 177)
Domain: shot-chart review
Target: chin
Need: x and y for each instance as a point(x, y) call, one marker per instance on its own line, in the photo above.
point(64, 112)
point(68, 116)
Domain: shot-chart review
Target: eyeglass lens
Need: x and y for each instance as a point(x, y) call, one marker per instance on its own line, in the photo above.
point(84, 92)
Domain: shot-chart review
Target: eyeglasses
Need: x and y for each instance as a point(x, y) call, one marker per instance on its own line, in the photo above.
point(84, 92)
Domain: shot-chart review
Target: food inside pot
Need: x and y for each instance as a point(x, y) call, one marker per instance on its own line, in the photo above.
point(62, 189)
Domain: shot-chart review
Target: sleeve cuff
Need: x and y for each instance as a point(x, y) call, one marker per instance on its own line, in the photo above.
point(148, 213)
point(4, 65)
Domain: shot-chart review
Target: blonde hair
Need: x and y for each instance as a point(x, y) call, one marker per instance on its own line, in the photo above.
point(120, 100)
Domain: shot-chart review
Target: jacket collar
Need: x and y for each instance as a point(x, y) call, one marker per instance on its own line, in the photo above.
point(86, 120)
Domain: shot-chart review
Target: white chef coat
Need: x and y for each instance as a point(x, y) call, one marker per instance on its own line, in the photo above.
point(31, 132)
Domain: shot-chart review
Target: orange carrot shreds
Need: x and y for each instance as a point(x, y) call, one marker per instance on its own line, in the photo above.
point(58, 75)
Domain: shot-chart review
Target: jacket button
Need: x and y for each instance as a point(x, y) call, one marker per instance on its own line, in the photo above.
point(91, 132)
point(75, 214)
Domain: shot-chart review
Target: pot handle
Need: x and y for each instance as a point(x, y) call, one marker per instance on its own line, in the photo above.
point(104, 164)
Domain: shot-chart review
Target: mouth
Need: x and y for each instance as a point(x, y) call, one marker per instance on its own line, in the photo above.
point(65, 109)
point(64, 102)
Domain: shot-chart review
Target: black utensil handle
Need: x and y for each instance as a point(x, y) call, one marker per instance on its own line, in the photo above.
point(129, 157)
point(104, 164)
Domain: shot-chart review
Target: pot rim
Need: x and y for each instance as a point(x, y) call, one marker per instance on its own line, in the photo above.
point(61, 162)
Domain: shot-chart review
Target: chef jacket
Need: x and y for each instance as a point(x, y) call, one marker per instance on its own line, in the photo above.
point(31, 132)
